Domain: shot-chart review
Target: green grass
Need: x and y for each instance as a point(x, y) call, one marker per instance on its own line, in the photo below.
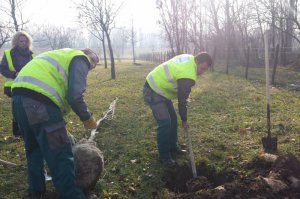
point(220, 106)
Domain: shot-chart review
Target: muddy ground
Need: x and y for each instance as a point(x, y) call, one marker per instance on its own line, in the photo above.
point(266, 177)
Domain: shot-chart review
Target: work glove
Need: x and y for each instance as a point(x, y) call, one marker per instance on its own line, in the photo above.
point(90, 123)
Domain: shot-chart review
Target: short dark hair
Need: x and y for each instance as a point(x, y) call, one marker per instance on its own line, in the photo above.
point(203, 57)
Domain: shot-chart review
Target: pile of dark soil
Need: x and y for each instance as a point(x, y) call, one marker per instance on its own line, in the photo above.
point(275, 177)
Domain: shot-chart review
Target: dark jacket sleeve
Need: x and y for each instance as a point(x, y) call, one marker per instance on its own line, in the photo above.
point(4, 70)
point(184, 89)
point(78, 72)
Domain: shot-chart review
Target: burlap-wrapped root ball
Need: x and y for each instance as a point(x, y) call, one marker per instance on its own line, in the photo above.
point(88, 164)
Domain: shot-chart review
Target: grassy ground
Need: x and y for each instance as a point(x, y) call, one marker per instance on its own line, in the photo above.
point(226, 115)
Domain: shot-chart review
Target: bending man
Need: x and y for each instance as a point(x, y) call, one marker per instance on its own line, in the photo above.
point(170, 80)
point(43, 92)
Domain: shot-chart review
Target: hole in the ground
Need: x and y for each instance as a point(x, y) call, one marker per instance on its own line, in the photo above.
point(180, 179)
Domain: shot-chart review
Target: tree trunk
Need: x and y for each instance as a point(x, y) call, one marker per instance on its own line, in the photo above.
point(133, 53)
point(227, 60)
point(227, 36)
point(214, 58)
point(104, 51)
point(289, 25)
point(13, 14)
point(275, 64)
point(282, 40)
point(112, 59)
point(273, 29)
point(247, 62)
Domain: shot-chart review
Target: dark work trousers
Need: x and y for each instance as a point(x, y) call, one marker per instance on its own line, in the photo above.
point(166, 119)
point(46, 138)
point(15, 127)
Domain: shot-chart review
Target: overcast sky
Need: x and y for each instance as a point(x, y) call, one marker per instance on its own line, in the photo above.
point(63, 12)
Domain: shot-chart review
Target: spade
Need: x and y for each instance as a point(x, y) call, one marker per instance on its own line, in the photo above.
point(269, 142)
point(191, 154)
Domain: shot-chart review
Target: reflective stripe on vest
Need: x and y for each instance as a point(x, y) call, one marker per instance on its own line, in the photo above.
point(48, 74)
point(41, 85)
point(183, 58)
point(169, 77)
point(9, 81)
point(156, 89)
point(163, 79)
point(55, 64)
point(9, 60)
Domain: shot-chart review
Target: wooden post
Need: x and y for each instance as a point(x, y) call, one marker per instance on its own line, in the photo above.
point(227, 60)
point(214, 58)
point(267, 83)
point(247, 62)
point(275, 64)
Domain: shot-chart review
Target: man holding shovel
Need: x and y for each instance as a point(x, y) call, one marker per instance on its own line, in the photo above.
point(170, 80)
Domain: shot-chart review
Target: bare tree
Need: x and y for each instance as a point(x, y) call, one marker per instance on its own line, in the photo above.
point(227, 30)
point(174, 17)
point(11, 19)
point(214, 13)
point(242, 19)
point(100, 15)
point(232, 26)
point(120, 37)
point(4, 34)
point(96, 30)
point(55, 37)
point(281, 16)
point(13, 9)
point(133, 40)
point(195, 26)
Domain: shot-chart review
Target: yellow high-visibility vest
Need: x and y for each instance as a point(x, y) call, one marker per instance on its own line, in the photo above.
point(163, 79)
point(48, 74)
point(9, 81)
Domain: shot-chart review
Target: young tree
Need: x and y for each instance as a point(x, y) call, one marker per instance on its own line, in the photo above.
point(101, 15)
point(133, 40)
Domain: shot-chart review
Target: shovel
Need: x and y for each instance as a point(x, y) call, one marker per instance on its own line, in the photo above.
point(269, 142)
point(191, 154)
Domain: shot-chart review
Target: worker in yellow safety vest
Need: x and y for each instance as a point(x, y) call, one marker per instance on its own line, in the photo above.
point(45, 90)
point(170, 80)
point(12, 62)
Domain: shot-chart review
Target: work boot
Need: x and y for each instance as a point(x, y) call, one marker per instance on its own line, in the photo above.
point(168, 162)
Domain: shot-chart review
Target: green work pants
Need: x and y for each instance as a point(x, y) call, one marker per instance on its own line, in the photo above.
point(46, 138)
point(166, 119)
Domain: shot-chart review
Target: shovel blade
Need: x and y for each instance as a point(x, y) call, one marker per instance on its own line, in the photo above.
point(269, 144)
